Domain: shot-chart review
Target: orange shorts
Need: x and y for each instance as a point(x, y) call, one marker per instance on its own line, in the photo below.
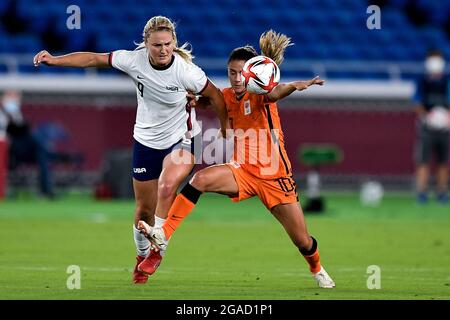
point(272, 192)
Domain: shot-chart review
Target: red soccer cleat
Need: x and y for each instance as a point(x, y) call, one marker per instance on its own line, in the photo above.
point(139, 277)
point(150, 263)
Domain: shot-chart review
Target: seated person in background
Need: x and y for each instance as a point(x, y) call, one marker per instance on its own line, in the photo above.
point(28, 148)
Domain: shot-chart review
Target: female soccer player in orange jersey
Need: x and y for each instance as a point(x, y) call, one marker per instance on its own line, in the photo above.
point(250, 173)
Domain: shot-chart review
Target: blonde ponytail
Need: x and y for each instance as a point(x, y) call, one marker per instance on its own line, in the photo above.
point(161, 23)
point(184, 52)
point(273, 45)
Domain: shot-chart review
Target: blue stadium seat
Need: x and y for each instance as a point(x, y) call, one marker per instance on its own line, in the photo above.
point(432, 37)
point(24, 43)
point(398, 3)
point(4, 42)
point(321, 29)
point(4, 5)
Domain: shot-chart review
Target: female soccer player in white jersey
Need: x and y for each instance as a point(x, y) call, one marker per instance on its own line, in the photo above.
point(166, 130)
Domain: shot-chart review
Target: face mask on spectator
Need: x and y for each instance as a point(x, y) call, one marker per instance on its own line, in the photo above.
point(435, 65)
point(12, 107)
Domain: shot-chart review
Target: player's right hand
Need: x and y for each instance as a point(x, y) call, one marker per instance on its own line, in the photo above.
point(43, 57)
point(197, 101)
point(192, 99)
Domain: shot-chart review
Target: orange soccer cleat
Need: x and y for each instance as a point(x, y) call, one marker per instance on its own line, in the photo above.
point(139, 277)
point(149, 265)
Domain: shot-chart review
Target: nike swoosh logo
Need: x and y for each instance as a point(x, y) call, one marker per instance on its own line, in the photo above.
point(139, 77)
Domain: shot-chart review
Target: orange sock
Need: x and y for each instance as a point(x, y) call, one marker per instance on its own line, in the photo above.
point(313, 261)
point(312, 257)
point(180, 209)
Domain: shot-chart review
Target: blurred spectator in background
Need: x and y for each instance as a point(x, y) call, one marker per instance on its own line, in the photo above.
point(3, 151)
point(432, 97)
point(24, 148)
point(27, 147)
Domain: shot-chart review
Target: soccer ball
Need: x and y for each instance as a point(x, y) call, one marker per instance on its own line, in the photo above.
point(260, 75)
point(371, 193)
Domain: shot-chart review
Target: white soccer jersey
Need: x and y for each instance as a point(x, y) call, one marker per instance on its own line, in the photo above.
point(162, 116)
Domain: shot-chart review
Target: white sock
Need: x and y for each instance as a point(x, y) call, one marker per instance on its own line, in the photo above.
point(159, 222)
point(142, 243)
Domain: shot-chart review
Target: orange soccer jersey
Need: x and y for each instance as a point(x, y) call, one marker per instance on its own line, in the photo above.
point(259, 140)
point(260, 164)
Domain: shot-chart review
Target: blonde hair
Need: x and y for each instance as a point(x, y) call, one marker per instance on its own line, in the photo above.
point(273, 45)
point(161, 23)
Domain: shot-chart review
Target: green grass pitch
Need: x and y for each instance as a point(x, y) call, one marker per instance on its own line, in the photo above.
point(225, 251)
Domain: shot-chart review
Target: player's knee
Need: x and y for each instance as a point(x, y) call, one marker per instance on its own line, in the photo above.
point(167, 189)
point(144, 211)
point(200, 181)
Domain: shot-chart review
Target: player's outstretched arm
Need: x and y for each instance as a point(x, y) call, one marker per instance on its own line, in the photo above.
point(76, 59)
point(284, 89)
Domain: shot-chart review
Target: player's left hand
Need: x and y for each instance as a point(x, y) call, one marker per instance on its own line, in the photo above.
point(316, 80)
point(303, 85)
